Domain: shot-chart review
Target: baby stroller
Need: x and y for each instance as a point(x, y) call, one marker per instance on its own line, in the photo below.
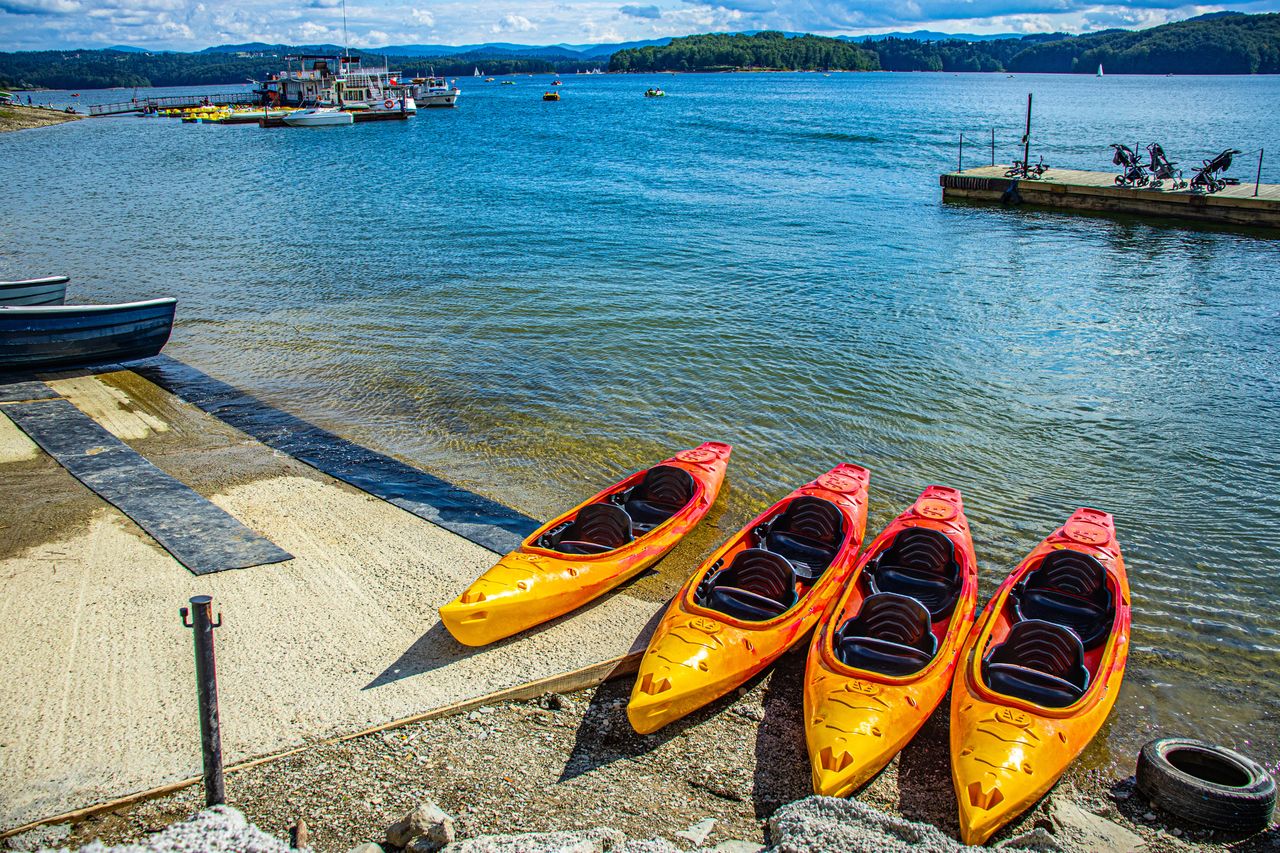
point(1162, 169)
point(1205, 180)
point(1134, 175)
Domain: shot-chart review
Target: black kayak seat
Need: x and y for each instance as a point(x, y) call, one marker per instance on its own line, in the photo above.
point(596, 529)
point(808, 533)
point(1069, 588)
point(891, 634)
point(664, 491)
point(1040, 662)
point(920, 563)
point(757, 586)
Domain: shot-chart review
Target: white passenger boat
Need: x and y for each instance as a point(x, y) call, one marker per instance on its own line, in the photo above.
point(319, 117)
point(433, 92)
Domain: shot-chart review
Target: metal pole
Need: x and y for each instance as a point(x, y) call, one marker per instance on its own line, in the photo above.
point(1026, 139)
point(960, 164)
point(993, 146)
point(1257, 182)
point(207, 690)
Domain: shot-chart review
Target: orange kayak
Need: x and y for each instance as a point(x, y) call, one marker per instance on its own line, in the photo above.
point(599, 544)
point(1039, 673)
point(758, 595)
point(882, 657)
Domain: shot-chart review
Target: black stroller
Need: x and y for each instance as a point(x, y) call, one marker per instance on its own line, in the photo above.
point(1134, 174)
point(1206, 180)
point(1162, 169)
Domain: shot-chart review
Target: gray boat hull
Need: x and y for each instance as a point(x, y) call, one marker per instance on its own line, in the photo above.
point(35, 291)
point(37, 338)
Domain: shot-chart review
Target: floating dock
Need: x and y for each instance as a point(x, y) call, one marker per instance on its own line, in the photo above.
point(1073, 189)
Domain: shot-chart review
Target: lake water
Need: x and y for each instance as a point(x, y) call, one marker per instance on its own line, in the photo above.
point(532, 299)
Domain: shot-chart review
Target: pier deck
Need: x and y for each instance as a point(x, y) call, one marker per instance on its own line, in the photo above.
point(1074, 189)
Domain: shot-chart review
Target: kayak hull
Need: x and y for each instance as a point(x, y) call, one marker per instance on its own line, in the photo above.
point(857, 720)
point(698, 654)
point(533, 585)
point(1006, 752)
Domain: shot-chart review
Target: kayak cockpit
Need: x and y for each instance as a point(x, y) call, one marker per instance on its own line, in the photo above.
point(891, 634)
point(909, 586)
point(779, 561)
point(618, 518)
point(1040, 662)
point(807, 535)
point(921, 563)
point(1048, 646)
point(757, 586)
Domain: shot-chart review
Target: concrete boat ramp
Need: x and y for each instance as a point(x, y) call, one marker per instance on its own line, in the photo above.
point(97, 684)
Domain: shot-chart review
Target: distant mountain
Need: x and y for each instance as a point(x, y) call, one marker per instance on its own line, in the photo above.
point(930, 35)
point(128, 48)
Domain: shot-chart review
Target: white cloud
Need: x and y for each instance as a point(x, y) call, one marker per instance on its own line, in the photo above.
point(423, 17)
point(514, 24)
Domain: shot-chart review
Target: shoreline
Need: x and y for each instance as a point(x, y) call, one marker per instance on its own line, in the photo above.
point(19, 117)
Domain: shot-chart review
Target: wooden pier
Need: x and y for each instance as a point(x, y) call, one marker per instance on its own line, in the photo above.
point(141, 105)
point(1072, 189)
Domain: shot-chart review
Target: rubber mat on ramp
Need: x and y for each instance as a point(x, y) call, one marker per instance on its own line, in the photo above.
point(198, 533)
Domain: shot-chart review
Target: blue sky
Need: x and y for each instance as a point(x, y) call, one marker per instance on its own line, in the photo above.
point(194, 24)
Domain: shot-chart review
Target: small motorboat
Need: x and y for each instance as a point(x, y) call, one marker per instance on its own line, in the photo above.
point(1039, 674)
point(654, 92)
point(758, 595)
point(319, 117)
point(45, 336)
point(35, 291)
point(488, 79)
point(597, 545)
point(882, 658)
point(508, 82)
point(550, 96)
point(556, 83)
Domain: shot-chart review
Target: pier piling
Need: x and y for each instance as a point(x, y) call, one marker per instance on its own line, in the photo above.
point(207, 691)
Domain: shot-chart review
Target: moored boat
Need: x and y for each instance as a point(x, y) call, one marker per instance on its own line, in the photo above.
point(35, 291)
point(757, 596)
point(39, 337)
point(1039, 673)
point(319, 117)
point(882, 657)
point(599, 544)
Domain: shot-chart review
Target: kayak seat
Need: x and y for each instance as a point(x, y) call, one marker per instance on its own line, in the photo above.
point(1069, 588)
point(757, 586)
point(1039, 661)
point(808, 534)
point(597, 528)
point(920, 563)
point(664, 491)
point(891, 635)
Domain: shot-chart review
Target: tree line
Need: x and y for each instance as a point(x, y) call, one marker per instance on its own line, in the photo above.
point(105, 69)
point(1220, 43)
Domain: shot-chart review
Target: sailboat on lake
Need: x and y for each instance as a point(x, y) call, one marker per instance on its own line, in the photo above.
point(1099, 69)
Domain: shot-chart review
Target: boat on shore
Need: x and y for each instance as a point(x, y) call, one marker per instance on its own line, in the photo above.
point(51, 290)
point(45, 336)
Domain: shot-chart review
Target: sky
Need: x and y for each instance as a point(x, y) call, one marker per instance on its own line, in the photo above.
point(196, 24)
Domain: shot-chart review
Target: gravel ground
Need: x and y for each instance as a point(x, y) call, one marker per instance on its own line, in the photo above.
point(573, 763)
point(23, 118)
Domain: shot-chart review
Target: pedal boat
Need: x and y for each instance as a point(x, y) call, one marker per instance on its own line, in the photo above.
point(1039, 673)
point(599, 544)
point(883, 656)
point(758, 595)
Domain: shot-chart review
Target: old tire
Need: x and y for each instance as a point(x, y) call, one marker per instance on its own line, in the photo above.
point(1206, 784)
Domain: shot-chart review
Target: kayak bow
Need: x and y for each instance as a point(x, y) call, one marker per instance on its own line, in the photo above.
point(754, 598)
point(599, 544)
point(880, 665)
point(1040, 673)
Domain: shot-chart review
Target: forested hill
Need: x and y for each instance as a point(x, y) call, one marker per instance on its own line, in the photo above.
point(723, 52)
point(103, 69)
point(1221, 43)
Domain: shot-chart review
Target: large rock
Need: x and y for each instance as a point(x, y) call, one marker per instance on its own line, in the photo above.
point(428, 827)
point(828, 824)
point(1089, 831)
point(220, 829)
